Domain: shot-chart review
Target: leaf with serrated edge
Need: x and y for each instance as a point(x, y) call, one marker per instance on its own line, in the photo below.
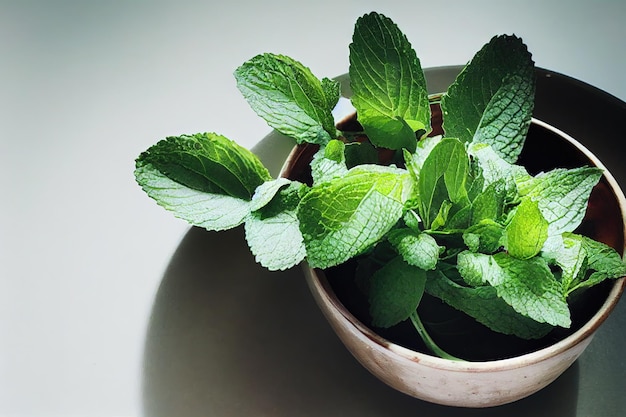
point(329, 162)
point(562, 196)
point(342, 218)
point(208, 162)
point(276, 242)
point(603, 261)
point(210, 211)
point(526, 285)
point(492, 99)
point(388, 84)
point(417, 249)
point(483, 304)
point(266, 192)
point(289, 97)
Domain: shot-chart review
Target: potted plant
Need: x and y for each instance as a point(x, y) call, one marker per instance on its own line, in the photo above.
point(426, 216)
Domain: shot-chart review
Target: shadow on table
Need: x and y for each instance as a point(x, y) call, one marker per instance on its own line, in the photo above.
point(229, 338)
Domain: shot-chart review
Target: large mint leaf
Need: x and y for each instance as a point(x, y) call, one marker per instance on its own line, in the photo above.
point(273, 229)
point(343, 217)
point(395, 291)
point(527, 231)
point(209, 163)
point(289, 97)
point(483, 304)
point(526, 285)
point(531, 289)
point(562, 196)
point(388, 84)
point(443, 177)
point(208, 210)
point(492, 99)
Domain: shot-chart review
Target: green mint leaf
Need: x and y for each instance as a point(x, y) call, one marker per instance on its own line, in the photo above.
point(207, 210)
point(475, 268)
point(417, 249)
point(329, 162)
point(276, 242)
point(266, 192)
point(342, 218)
point(570, 255)
point(441, 219)
point(527, 231)
point(527, 285)
point(415, 161)
point(395, 291)
point(476, 181)
point(495, 169)
point(443, 176)
point(208, 162)
point(388, 83)
point(412, 220)
point(459, 219)
point(483, 304)
point(273, 229)
point(492, 99)
point(489, 204)
point(562, 196)
point(484, 237)
point(603, 262)
point(289, 97)
point(332, 92)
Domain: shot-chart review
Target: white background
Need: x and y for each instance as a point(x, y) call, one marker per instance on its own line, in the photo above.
point(85, 86)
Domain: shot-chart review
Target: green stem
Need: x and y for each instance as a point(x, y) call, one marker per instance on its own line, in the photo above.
point(430, 343)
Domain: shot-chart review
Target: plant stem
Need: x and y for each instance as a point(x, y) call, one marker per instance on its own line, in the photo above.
point(430, 343)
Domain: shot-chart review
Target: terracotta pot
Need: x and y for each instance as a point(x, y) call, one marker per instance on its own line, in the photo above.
point(484, 383)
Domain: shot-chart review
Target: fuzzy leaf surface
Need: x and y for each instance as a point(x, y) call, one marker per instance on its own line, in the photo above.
point(602, 262)
point(388, 83)
point(526, 285)
point(208, 210)
point(343, 217)
point(562, 196)
point(484, 304)
point(417, 249)
point(289, 97)
point(209, 163)
point(492, 99)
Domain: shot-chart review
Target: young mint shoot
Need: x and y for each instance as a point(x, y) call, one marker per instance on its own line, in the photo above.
point(451, 216)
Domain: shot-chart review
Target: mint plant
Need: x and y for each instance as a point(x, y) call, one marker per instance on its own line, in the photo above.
point(452, 216)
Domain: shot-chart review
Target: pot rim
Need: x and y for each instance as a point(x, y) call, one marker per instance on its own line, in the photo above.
point(585, 332)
